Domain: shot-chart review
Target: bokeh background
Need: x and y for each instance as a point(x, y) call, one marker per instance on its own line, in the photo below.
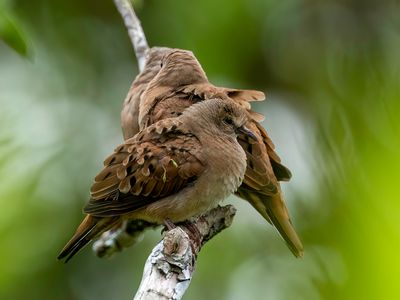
point(331, 70)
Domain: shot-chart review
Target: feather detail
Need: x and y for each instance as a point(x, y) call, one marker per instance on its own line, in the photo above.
point(87, 230)
point(161, 101)
point(274, 210)
point(160, 164)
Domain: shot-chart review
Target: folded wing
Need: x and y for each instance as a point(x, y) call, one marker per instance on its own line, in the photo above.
point(158, 162)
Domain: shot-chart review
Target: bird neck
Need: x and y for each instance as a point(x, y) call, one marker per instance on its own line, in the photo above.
point(226, 162)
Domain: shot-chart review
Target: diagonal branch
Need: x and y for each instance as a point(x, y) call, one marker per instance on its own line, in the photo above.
point(135, 30)
point(169, 268)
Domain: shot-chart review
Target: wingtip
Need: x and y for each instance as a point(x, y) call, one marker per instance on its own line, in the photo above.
point(82, 236)
point(259, 96)
point(256, 116)
point(294, 244)
point(298, 253)
point(254, 95)
point(68, 252)
point(64, 256)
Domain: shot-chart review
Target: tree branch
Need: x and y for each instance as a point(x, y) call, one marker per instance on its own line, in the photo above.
point(135, 30)
point(170, 266)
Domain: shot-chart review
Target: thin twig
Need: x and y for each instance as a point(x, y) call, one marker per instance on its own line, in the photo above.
point(135, 30)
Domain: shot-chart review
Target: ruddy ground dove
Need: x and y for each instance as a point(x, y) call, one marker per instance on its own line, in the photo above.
point(172, 81)
point(174, 169)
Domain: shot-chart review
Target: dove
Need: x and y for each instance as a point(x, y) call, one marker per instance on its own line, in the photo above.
point(174, 81)
point(171, 171)
point(130, 109)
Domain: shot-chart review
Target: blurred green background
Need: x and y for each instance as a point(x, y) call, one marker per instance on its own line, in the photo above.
point(331, 70)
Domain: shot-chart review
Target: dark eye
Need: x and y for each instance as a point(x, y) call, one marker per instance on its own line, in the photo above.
point(161, 65)
point(228, 121)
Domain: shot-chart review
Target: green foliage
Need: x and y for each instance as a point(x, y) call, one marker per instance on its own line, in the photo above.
point(11, 33)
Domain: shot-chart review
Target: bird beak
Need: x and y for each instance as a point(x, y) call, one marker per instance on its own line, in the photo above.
point(247, 132)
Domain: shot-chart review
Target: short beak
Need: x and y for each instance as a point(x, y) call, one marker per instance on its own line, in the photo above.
point(247, 132)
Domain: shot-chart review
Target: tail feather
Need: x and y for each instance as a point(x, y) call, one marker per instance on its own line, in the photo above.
point(274, 210)
point(277, 212)
point(87, 230)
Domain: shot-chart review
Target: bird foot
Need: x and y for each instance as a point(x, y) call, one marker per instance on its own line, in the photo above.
point(194, 235)
point(169, 225)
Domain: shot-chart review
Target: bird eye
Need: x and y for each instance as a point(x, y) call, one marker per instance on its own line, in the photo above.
point(228, 121)
point(161, 65)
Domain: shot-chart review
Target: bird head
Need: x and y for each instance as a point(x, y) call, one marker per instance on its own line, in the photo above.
point(153, 63)
point(179, 68)
point(218, 116)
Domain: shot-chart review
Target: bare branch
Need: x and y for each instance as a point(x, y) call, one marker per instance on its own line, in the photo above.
point(135, 30)
point(170, 266)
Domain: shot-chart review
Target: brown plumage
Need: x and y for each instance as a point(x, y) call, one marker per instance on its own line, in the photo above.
point(170, 170)
point(178, 82)
point(130, 109)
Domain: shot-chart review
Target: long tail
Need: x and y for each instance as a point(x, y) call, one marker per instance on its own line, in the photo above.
point(89, 228)
point(274, 210)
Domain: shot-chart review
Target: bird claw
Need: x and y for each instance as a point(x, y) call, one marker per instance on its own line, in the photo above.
point(169, 225)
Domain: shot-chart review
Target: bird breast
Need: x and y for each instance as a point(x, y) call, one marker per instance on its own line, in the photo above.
point(226, 168)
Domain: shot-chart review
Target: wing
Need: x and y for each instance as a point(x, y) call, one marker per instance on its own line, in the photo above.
point(259, 174)
point(281, 172)
point(164, 103)
point(130, 109)
point(240, 97)
point(274, 210)
point(243, 97)
point(150, 99)
point(261, 188)
point(156, 163)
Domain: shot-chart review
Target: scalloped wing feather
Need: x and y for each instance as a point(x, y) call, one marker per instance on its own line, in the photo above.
point(145, 169)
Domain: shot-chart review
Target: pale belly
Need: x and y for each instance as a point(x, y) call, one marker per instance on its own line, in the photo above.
point(190, 202)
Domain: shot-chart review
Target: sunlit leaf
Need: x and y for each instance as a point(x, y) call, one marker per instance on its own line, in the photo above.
point(11, 34)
